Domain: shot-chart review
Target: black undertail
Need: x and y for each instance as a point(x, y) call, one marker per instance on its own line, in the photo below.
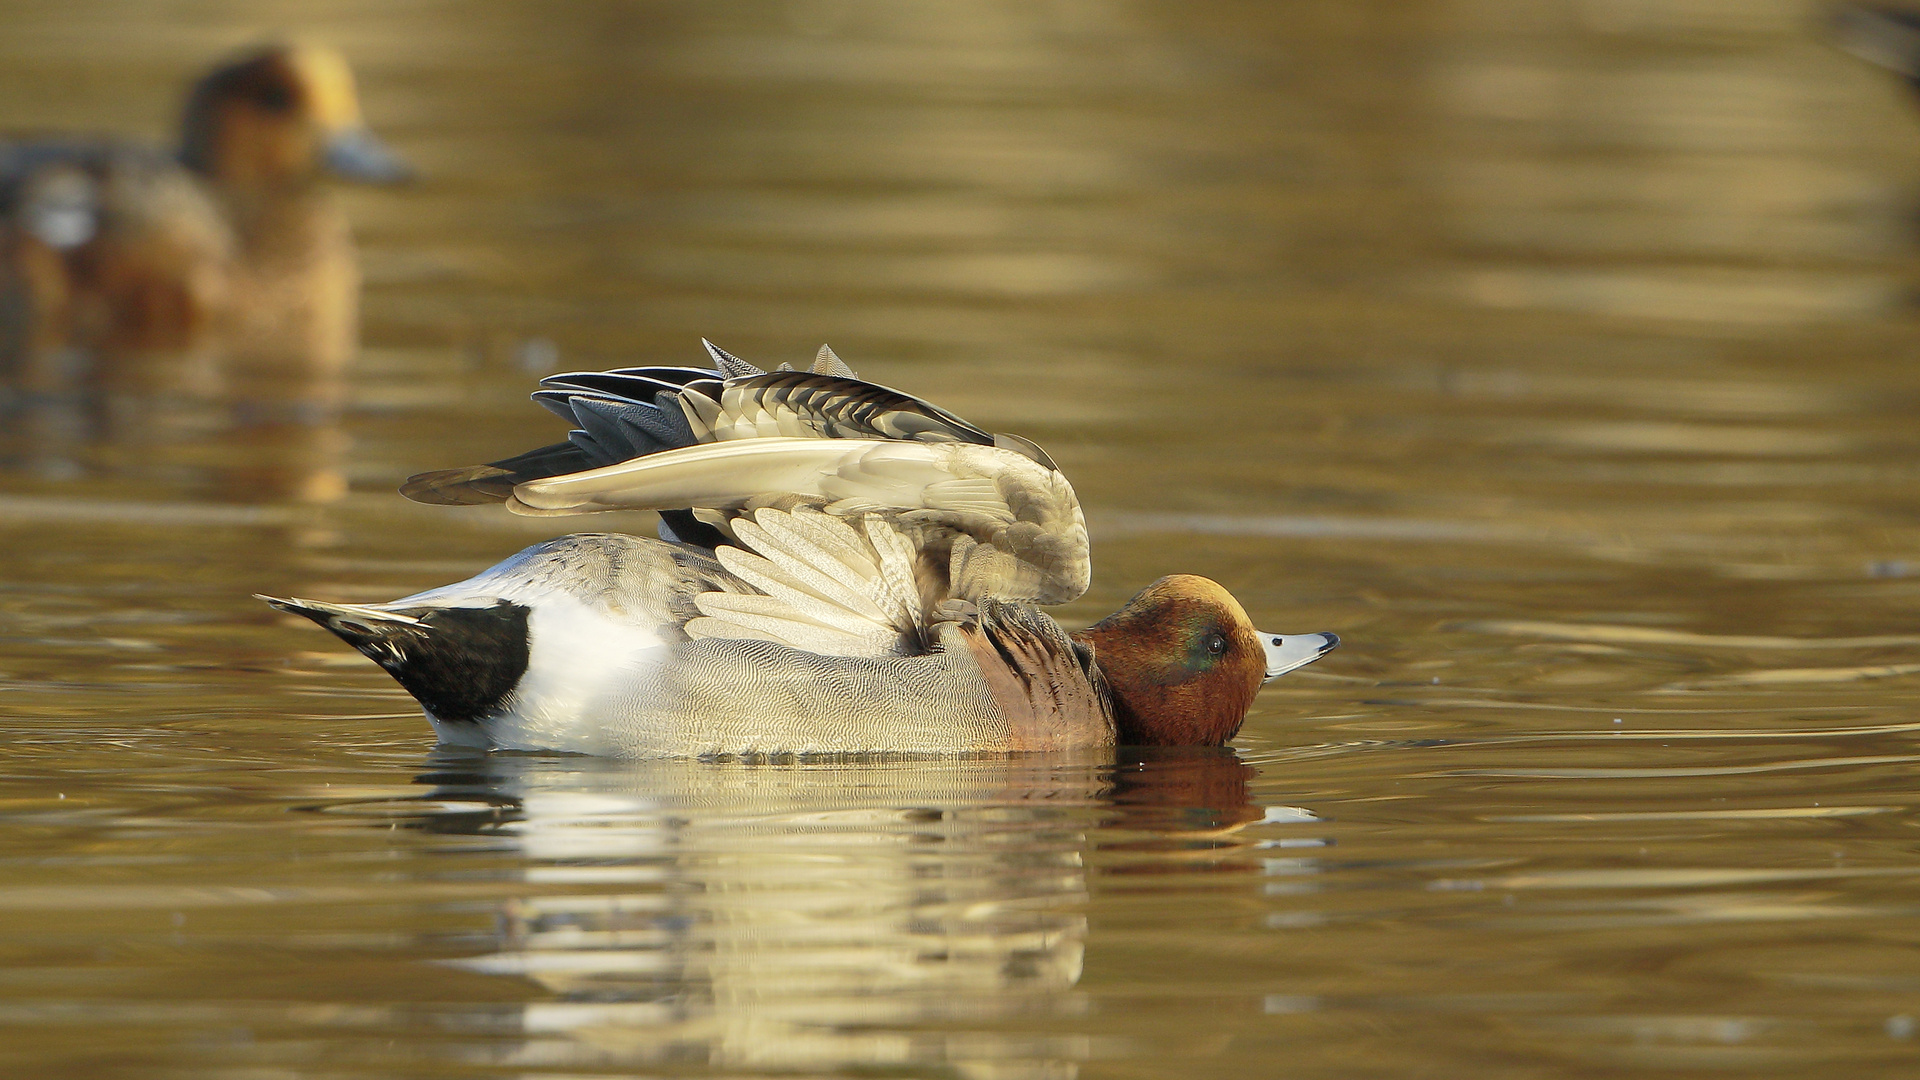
point(459, 663)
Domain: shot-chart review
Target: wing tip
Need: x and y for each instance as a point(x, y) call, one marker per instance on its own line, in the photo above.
point(474, 485)
point(826, 362)
point(730, 366)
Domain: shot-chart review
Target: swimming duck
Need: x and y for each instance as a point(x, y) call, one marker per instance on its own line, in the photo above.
point(113, 245)
point(841, 568)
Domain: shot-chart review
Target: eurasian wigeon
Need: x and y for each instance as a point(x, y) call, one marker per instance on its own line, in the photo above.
point(841, 568)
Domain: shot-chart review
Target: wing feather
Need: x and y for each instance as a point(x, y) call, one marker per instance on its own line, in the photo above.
point(829, 543)
point(785, 632)
point(833, 406)
point(897, 559)
point(631, 413)
point(826, 363)
point(783, 565)
point(750, 609)
point(703, 413)
point(852, 508)
point(840, 596)
point(1024, 514)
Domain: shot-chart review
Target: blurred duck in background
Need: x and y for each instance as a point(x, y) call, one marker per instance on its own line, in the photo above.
point(1884, 36)
point(232, 242)
point(160, 311)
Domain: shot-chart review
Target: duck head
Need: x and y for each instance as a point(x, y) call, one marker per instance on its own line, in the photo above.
point(1183, 662)
point(279, 118)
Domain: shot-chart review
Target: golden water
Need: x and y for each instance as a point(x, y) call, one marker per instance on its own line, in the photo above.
point(1559, 356)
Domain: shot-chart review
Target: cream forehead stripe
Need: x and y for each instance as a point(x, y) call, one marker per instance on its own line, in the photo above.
point(329, 83)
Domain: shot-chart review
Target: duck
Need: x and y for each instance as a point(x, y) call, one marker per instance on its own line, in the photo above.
point(110, 245)
point(838, 568)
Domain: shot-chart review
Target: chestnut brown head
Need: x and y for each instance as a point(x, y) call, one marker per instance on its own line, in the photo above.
point(278, 118)
point(1184, 662)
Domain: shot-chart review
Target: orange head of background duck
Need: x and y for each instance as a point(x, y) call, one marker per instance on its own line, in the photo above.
point(282, 117)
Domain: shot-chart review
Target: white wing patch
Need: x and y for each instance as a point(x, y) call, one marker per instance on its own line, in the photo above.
point(975, 495)
point(826, 586)
point(1024, 514)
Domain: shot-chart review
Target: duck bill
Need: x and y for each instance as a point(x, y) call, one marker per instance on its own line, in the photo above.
point(358, 154)
point(1286, 652)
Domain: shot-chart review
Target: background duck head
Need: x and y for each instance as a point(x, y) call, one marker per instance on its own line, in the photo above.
point(261, 133)
point(278, 119)
point(1183, 662)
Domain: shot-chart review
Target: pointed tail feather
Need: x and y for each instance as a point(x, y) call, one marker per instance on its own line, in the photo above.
point(379, 635)
point(459, 663)
point(365, 618)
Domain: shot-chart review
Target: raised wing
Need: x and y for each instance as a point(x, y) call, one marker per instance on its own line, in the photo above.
point(853, 510)
point(982, 521)
point(631, 413)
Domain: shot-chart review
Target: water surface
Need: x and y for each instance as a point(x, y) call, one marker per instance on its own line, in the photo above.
point(1560, 357)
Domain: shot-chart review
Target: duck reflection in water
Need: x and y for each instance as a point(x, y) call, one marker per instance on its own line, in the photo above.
point(154, 299)
point(838, 915)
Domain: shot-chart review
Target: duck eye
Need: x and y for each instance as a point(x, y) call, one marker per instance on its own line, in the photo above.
point(1216, 645)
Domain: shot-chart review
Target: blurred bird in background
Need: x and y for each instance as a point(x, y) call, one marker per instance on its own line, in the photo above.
point(110, 244)
point(223, 270)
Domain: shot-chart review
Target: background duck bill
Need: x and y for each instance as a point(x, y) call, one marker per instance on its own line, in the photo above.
point(358, 154)
point(1286, 652)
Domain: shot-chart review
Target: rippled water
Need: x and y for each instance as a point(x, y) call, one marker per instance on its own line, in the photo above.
point(1559, 356)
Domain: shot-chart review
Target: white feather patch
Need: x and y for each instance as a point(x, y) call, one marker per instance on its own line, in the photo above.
point(824, 586)
point(972, 495)
point(896, 558)
point(848, 568)
point(801, 592)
